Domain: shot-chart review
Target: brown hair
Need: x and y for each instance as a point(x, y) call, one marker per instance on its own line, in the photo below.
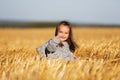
point(72, 44)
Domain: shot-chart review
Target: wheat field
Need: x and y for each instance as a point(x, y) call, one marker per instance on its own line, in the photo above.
point(98, 52)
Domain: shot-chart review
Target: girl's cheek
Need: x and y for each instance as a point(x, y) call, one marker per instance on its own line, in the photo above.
point(67, 35)
point(59, 34)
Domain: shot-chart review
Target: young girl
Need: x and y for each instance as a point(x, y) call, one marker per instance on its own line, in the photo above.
point(61, 46)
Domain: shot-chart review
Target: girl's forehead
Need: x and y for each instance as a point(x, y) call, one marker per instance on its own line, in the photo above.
point(64, 27)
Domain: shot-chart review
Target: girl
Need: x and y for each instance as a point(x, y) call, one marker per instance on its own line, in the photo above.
point(61, 46)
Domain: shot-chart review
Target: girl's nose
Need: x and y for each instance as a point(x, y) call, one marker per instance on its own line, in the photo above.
point(63, 34)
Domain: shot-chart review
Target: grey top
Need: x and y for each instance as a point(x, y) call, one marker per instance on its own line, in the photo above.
point(51, 49)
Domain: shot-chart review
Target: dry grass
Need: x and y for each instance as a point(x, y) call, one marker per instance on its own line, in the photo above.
point(99, 53)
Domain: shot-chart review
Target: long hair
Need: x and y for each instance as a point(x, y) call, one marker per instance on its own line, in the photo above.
point(72, 44)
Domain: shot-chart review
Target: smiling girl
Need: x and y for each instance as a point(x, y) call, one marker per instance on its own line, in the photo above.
point(61, 46)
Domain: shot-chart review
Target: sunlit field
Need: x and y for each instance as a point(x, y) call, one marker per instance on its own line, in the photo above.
point(98, 52)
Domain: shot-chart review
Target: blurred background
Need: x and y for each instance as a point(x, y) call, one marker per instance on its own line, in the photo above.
point(47, 13)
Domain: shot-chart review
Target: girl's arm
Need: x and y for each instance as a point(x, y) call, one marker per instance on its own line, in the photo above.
point(41, 50)
point(53, 44)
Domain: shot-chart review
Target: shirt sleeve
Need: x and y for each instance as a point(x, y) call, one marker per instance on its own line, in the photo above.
point(41, 50)
point(53, 44)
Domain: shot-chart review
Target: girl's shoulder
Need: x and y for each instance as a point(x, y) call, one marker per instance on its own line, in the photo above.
point(46, 42)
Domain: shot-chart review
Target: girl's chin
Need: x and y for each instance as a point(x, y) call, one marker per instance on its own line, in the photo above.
point(63, 39)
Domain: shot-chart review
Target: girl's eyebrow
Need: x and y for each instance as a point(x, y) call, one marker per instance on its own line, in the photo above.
point(66, 32)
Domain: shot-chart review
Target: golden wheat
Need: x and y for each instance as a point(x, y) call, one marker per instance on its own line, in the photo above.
point(98, 52)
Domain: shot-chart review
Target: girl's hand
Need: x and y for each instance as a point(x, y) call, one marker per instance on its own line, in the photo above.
point(60, 44)
point(59, 38)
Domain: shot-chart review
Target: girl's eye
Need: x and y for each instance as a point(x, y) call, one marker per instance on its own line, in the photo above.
point(66, 33)
point(60, 31)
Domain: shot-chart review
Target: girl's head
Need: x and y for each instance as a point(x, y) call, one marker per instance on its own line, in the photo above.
point(64, 31)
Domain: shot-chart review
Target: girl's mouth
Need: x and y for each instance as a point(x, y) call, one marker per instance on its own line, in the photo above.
point(63, 37)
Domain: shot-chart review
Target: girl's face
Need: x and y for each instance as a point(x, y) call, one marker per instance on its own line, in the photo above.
point(63, 32)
